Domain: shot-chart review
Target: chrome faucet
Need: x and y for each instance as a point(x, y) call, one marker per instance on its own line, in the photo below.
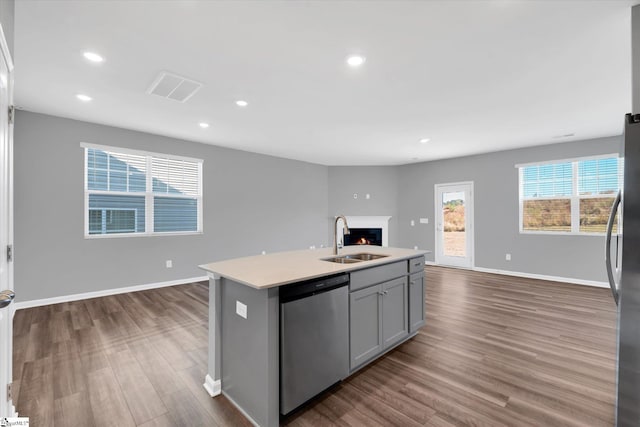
point(335, 234)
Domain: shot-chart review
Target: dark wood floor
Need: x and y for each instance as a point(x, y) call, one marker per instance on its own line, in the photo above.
point(496, 351)
point(136, 359)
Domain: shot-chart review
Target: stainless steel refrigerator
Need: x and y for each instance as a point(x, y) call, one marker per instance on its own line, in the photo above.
point(623, 268)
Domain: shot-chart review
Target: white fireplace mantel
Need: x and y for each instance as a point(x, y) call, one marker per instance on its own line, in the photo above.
point(371, 222)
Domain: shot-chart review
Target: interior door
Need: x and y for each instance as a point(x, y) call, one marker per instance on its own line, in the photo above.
point(6, 229)
point(454, 224)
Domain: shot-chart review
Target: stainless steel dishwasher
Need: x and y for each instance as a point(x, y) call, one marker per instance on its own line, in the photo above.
point(314, 338)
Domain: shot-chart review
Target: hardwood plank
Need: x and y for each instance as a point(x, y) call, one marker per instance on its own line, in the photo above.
point(186, 411)
point(142, 399)
point(495, 351)
point(73, 410)
point(161, 421)
point(159, 372)
point(107, 401)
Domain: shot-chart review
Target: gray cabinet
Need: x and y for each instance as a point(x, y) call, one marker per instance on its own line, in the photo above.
point(365, 324)
point(378, 319)
point(394, 311)
point(416, 302)
point(374, 275)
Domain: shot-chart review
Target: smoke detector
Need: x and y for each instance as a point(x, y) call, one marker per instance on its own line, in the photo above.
point(172, 86)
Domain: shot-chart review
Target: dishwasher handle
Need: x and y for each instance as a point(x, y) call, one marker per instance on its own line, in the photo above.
point(301, 290)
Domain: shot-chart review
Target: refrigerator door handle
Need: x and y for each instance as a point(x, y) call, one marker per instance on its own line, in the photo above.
point(607, 255)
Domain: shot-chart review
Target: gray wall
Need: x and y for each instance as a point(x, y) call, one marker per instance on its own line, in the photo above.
point(635, 59)
point(381, 182)
point(252, 203)
point(496, 211)
point(7, 14)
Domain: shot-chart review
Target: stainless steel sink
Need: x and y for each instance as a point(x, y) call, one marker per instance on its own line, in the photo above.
point(342, 260)
point(365, 256)
point(350, 259)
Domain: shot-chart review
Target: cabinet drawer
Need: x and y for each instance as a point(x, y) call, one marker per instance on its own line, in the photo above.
point(374, 275)
point(416, 264)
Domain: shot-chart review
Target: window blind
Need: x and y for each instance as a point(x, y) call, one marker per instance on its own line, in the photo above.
point(141, 193)
point(569, 196)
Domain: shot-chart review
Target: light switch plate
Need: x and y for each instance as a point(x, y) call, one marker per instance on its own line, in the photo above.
point(241, 309)
point(424, 220)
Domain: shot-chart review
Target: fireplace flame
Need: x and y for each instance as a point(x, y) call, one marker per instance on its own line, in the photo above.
point(362, 241)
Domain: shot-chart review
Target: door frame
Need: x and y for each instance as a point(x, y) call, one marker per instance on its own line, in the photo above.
point(469, 226)
point(7, 408)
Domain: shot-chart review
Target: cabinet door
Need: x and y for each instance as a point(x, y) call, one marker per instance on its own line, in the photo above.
point(366, 324)
point(394, 311)
point(416, 302)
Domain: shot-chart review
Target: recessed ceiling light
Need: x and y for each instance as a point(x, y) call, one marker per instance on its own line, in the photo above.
point(93, 57)
point(83, 97)
point(241, 103)
point(203, 125)
point(424, 140)
point(356, 60)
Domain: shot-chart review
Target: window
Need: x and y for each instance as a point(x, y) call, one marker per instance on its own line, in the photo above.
point(138, 193)
point(570, 196)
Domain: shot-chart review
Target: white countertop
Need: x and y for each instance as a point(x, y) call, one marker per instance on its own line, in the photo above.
point(281, 268)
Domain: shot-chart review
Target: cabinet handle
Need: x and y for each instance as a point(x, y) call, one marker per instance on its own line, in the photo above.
point(416, 265)
point(413, 282)
point(383, 293)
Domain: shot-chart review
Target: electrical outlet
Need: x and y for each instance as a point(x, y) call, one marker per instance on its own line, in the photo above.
point(367, 196)
point(413, 223)
point(241, 309)
point(169, 263)
point(507, 257)
point(415, 248)
point(264, 252)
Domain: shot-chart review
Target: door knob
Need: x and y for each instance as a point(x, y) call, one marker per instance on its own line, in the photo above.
point(6, 297)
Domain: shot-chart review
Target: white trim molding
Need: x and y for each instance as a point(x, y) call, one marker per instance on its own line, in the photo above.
point(214, 388)
point(106, 292)
point(371, 222)
point(544, 277)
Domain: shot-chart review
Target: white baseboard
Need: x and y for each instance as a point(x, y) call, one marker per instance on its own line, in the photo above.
point(429, 263)
point(543, 277)
point(213, 387)
point(106, 292)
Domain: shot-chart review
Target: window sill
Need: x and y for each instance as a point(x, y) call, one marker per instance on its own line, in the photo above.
point(130, 235)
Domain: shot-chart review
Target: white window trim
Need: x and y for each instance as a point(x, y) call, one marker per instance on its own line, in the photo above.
point(575, 197)
point(148, 195)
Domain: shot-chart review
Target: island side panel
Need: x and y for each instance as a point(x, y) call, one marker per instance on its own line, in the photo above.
point(250, 351)
point(212, 381)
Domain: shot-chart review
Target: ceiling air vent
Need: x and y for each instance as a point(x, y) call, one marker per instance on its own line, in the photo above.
point(173, 86)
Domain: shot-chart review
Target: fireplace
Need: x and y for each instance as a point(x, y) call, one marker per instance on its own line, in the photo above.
point(373, 228)
point(363, 236)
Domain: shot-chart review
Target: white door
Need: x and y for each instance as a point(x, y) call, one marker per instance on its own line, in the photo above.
point(454, 224)
point(6, 229)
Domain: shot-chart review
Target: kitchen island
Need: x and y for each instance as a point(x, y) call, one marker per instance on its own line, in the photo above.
point(384, 302)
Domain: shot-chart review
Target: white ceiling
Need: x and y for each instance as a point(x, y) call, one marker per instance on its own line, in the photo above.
point(473, 76)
